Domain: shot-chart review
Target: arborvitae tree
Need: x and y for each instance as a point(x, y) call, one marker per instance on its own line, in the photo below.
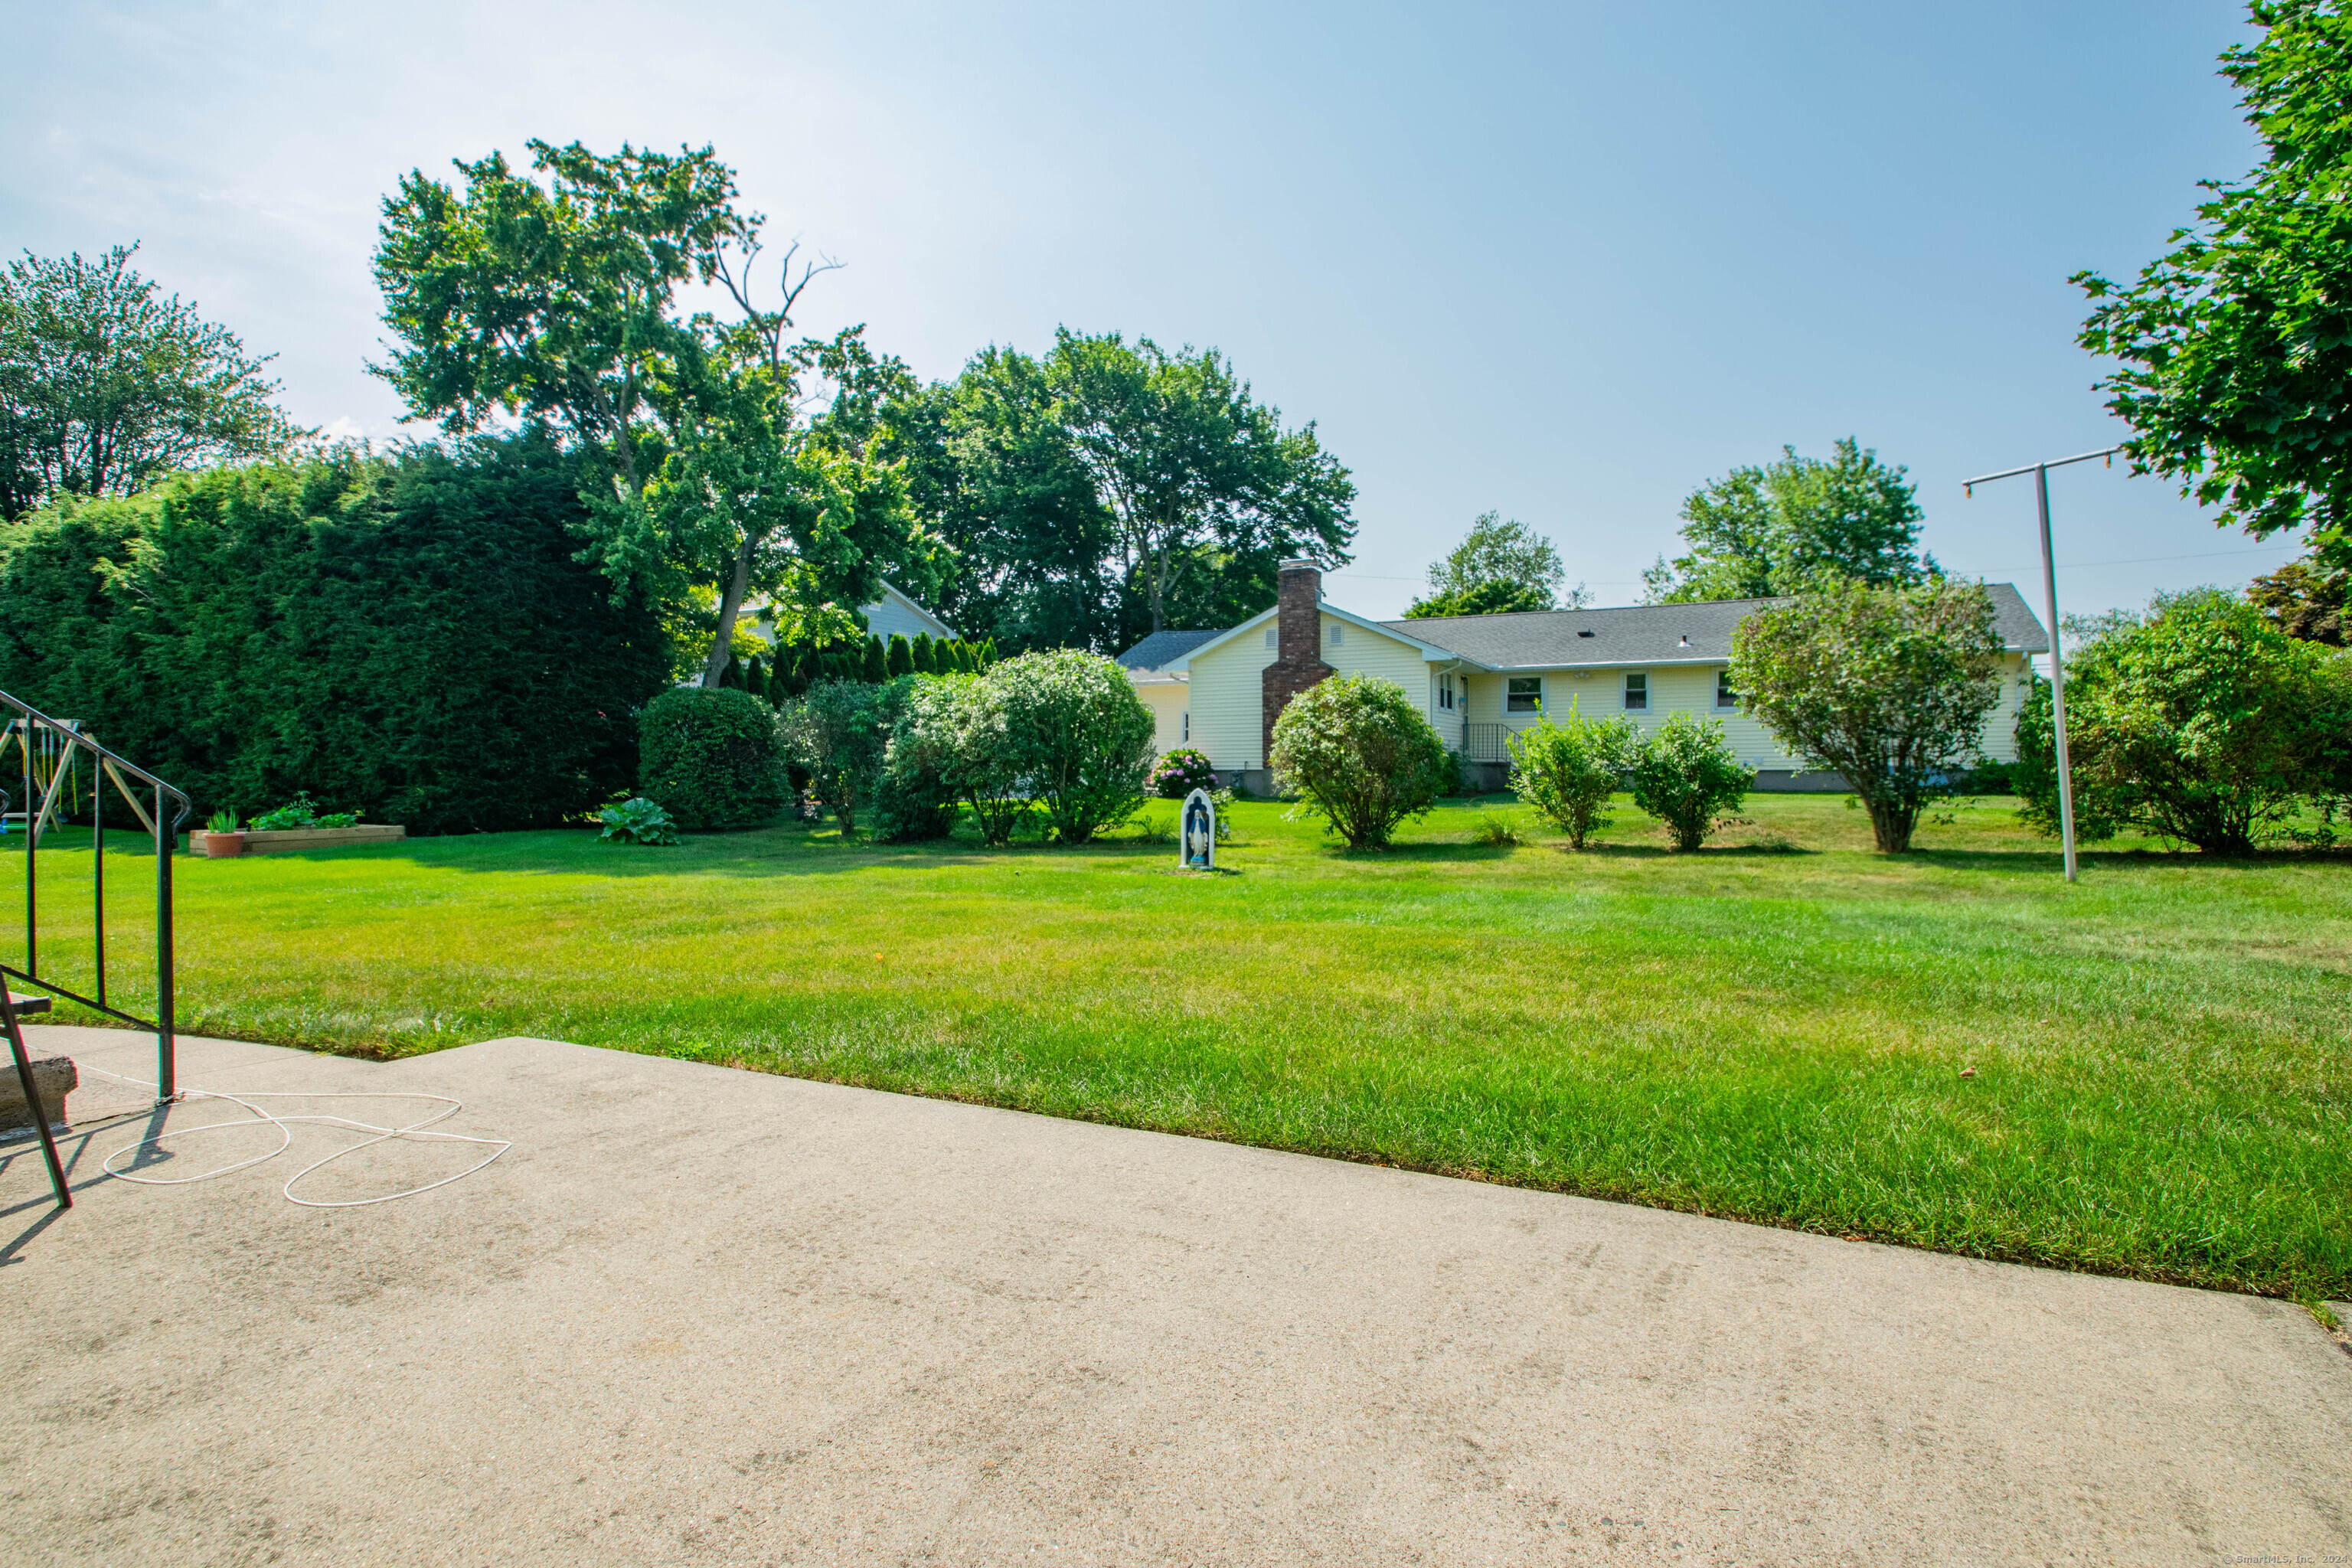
point(921, 650)
point(755, 677)
point(876, 668)
point(901, 659)
point(797, 661)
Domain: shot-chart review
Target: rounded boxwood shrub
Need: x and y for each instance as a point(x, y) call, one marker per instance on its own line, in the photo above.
point(711, 759)
point(1362, 755)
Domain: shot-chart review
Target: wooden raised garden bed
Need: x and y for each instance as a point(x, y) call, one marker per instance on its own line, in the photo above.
point(306, 838)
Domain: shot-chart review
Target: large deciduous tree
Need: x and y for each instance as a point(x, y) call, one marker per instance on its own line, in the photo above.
point(1498, 567)
point(991, 468)
point(552, 297)
point(1107, 489)
point(2236, 343)
point(1889, 685)
point(1759, 532)
point(107, 384)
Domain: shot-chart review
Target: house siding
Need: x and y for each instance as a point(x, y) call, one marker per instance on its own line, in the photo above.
point(1166, 701)
point(1226, 696)
point(898, 616)
point(1226, 691)
point(1599, 692)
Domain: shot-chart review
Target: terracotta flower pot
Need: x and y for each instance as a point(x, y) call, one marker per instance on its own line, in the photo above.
point(224, 846)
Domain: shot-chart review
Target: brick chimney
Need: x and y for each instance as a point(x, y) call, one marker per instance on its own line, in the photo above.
point(1298, 644)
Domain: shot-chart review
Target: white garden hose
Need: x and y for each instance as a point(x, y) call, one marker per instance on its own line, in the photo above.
point(285, 1124)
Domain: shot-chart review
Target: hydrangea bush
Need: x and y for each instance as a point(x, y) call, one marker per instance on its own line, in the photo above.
point(1180, 773)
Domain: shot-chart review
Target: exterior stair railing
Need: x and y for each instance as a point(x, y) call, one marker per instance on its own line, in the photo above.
point(1483, 742)
point(42, 785)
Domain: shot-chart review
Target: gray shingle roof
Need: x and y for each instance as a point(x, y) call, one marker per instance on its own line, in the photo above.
point(1159, 648)
point(1646, 634)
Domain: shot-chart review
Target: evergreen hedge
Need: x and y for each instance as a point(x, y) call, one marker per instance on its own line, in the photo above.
point(711, 759)
point(409, 637)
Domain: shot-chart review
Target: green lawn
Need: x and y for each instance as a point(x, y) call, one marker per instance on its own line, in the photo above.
point(2145, 1074)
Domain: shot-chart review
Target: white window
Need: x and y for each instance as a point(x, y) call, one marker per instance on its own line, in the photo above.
point(1523, 694)
point(1445, 691)
point(1724, 696)
point(1336, 631)
point(1637, 692)
point(1184, 726)
point(1271, 632)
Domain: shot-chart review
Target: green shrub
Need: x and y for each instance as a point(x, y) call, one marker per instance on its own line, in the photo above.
point(2205, 722)
point(1567, 770)
point(900, 658)
point(913, 788)
point(298, 813)
point(835, 731)
point(970, 720)
point(1889, 686)
point(1499, 829)
point(1360, 754)
point(413, 637)
point(637, 821)
point(711, 759)
point(923, 655)
point(1685, 774)
point(1079, 735)
point(875, 668)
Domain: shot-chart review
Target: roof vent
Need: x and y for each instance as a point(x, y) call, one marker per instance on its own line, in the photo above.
point(1686, 639)
point(1584, 634)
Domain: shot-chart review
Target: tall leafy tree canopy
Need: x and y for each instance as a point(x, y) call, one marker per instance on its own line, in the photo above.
point(553, 298)
point(1498, 567)
point(1759, 532)
point(2236, 344)
point(1107, 489)
point(107, 384)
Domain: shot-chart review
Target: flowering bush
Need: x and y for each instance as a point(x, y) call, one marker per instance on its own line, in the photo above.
point(1178, 773)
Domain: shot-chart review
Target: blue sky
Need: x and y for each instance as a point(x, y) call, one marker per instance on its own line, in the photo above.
point(1566, 262)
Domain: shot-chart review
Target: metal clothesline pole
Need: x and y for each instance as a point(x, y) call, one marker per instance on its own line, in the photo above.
point(2041, 472)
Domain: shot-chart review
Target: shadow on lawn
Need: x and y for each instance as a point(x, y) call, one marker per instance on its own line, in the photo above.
point(785, 850)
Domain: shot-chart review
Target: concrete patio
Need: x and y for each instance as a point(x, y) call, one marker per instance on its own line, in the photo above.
point(701, 1316)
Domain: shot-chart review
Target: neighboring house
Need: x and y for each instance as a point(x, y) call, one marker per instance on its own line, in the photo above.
point(1478, 677)
point(893, 615)
point(898, 616)
point(1164, 690)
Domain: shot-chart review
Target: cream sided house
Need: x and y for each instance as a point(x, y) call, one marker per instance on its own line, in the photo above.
point(894, 614)
point(1479, 677)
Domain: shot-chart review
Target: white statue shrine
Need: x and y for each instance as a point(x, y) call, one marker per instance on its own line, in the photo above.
point(1197, 844)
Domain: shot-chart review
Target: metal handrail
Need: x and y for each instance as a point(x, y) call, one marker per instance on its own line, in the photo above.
point(1485, 743)
point(62, 740)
